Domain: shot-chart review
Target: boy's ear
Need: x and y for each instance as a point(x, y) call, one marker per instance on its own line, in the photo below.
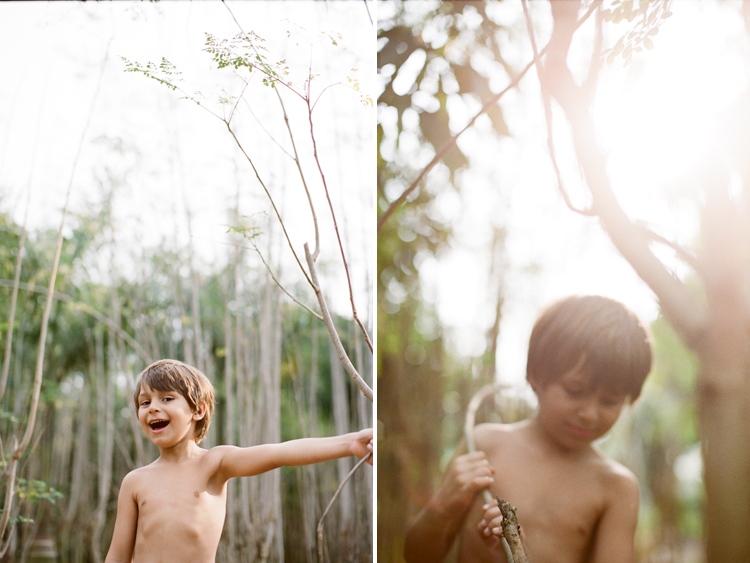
point(530, 377)
point(200, 413)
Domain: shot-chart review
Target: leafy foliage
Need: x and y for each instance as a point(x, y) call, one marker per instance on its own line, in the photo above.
point(164, 73)
point(651, 14)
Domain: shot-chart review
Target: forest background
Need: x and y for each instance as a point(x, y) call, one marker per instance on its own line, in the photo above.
point(475, 236)
point(149, 268)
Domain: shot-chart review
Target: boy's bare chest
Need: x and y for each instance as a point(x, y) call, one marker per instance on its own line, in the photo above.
point(178, 510)
point(558, 506)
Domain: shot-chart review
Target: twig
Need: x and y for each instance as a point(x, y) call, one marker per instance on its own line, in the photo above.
point(278, 283)
point(330, 504)
point(452, 141)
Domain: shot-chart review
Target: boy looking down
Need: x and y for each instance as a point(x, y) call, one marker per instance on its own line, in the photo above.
point(174, 508)
point(587, 357)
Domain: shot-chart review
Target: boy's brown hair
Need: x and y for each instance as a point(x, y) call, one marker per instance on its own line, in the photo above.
point(598, 335)
point(191, 383)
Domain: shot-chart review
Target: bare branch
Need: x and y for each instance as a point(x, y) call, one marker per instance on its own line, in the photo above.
point(469, 423)
point(328, 320)
point(276, 281)
point(338, 235)
point(302, 176)
point(270, 198)
point(511, 531)
point(249, 107)
point(330, 504)
point(12, 312)
point(690, 259)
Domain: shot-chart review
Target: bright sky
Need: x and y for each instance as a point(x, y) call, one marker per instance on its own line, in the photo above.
point(62, 63)
point(656, 118)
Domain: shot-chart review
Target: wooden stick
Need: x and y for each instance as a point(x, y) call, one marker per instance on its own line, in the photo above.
point(511, 531)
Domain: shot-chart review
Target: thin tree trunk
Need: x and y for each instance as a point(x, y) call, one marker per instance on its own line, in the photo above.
point(341, 419)
point(230, 423)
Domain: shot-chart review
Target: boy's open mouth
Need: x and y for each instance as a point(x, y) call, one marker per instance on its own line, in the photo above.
point(157, 425)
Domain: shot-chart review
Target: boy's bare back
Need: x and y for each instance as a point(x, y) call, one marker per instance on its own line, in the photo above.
point(179, 507)
point(573, 506)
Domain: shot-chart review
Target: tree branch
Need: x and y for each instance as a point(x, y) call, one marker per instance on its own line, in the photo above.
point(336, 228)
point(511, 531)
point(469, 423)
point(685, 312)
point(328, 320)
point(302, 176)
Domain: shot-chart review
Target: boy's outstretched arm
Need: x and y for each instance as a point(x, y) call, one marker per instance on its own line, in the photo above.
point(123, 537)
point(244, 462)
point(615, 534)
point(431, 534)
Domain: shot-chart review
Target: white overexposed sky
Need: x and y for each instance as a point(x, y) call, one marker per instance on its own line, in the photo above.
point(656, 120)
point(61, 67)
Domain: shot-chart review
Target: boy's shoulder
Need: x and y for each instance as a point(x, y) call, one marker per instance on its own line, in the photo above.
point(488, 437)
point(613, 475)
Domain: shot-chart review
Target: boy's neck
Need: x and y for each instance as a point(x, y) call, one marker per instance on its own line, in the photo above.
point(549, 445)
point(179, 452)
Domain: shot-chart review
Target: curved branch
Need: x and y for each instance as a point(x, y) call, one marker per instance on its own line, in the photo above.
point(328, 320)
point(469, 423)
point(330, 504)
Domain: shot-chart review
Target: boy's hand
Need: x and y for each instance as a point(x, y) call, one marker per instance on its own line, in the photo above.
point(362, 444)
point(491, 526)
point(465, 476)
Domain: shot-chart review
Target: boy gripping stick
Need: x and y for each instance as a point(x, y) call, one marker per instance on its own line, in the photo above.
point(587, 357)
point(174, 508)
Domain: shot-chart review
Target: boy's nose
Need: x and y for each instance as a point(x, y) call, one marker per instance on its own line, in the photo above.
point(588, 412)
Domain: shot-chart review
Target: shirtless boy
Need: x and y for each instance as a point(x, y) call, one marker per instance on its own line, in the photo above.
point(587, 357)
point(174, 508)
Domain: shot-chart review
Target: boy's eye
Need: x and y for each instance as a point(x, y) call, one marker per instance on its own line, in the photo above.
point(144, 403)
point(573, 392)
